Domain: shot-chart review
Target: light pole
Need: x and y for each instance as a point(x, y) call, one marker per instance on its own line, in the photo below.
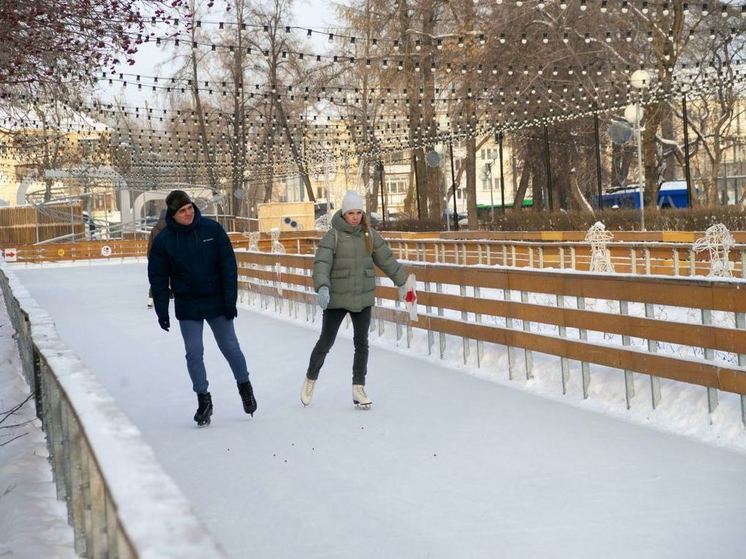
point(488, 176)
point(640, 79)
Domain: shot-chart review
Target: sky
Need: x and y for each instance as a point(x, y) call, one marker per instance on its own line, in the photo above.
point(154, 60)
point(453, 460)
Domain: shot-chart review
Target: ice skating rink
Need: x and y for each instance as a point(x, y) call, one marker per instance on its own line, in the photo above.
point(445, 465)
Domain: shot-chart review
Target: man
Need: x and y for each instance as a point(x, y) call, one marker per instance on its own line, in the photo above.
point(194, 255)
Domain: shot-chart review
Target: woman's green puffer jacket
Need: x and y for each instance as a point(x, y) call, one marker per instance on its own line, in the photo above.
point(344, 265)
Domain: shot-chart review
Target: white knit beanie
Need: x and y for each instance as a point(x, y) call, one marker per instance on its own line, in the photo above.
point(352, 201)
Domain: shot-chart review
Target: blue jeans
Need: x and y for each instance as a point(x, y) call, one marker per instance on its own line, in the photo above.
point(225, 336)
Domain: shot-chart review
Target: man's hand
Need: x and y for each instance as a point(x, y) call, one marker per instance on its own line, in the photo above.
point(403, 292)
point(164, 323)
point(231, 313)
point(323, 297)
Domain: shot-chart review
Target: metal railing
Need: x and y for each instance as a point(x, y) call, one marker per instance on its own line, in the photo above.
point(120, 503)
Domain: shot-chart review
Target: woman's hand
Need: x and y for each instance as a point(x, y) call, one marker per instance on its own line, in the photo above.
point(323, 297)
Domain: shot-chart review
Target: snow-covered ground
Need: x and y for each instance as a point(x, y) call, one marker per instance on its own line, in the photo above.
point(447, 464)
point(33, 523)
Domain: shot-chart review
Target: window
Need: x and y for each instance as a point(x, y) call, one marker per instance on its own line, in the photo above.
point(397, 185)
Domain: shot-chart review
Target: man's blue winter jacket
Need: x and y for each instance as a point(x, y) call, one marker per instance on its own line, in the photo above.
point(198, 263)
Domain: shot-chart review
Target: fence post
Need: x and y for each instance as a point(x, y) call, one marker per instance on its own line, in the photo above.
point(573, 258)
point(530, 256)
point(527, 353)
point(464, 317)
point(712, 393)
point(655, 382)
point(430, 336)
point(741, 323)
point(562, 258)
point(564, 361)
point(378, 302)
point(585, 368)
point(509, 324)
point(676, 262)
point(397, 305)
point(307, 273)
point(692, 262)
point(540, 250)
point(441, 335)
point(633, 260)
point(629, 376)
point(478, 319)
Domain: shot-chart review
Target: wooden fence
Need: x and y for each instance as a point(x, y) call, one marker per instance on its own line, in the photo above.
point(598, 307)
point(638, 258)
point(26, 224)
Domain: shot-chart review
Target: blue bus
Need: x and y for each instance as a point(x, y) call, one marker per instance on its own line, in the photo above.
point(671, 194)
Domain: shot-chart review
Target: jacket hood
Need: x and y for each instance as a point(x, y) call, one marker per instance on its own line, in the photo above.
point(178, 228)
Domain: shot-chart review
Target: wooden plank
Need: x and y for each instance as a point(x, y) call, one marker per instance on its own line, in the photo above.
point(674, 368)
point(693, 335)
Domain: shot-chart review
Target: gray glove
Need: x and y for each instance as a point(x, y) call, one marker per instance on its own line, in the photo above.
point(323, 297)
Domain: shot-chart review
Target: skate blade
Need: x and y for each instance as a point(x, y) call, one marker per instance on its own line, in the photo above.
point(360, 406)
point(203, 423)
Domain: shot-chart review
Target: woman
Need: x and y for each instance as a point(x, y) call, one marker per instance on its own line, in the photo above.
point(345, 280)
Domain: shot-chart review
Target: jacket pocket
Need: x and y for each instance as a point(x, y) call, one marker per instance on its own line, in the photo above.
point(369, 280)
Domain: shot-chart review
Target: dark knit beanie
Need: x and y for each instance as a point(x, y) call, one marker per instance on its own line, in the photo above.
point(176, 200)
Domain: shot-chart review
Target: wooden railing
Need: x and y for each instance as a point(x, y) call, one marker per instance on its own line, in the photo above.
point(508, 307)
point(638, 258)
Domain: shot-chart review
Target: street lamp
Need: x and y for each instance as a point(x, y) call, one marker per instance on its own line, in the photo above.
point(640, 79)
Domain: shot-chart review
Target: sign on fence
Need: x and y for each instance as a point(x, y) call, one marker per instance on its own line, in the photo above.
point(10, 255)
point(106, 250)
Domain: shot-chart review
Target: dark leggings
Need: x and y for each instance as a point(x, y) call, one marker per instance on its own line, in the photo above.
point(329, 327)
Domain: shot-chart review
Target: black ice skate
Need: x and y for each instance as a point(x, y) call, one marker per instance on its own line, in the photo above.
point(247, 397)
point(204, 409)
